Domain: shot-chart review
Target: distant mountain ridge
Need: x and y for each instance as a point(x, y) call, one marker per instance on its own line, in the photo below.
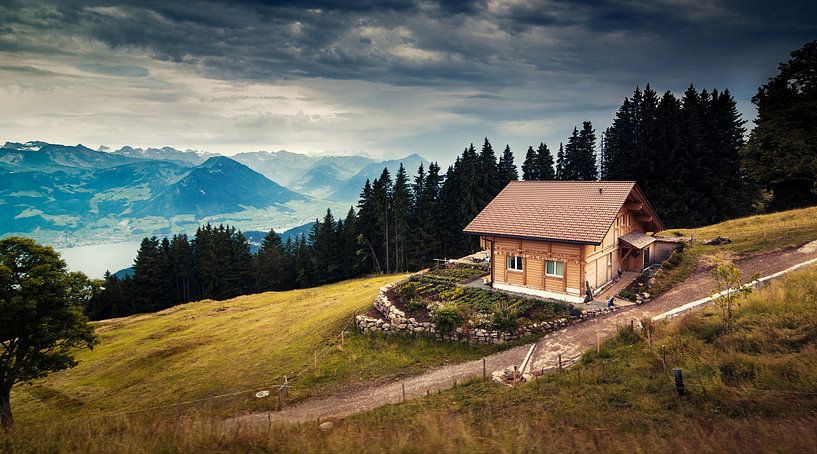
point(219, 185)
point(46, 157)
point(189, 157)
point(282, 166)
point(350, 190)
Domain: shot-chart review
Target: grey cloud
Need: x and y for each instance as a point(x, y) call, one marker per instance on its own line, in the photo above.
point(115, 70)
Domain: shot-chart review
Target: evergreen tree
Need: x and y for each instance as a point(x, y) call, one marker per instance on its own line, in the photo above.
point(324, 251)
point(269, 263)
point(381, 195)
point(147, 278)
point(401, 209)
point(544, 163)
point(488, 172)
point(781, 153)
point(507, 168)
point(560, 163)
point(529, 169)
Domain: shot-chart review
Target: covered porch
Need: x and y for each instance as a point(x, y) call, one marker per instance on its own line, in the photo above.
point(636, 250)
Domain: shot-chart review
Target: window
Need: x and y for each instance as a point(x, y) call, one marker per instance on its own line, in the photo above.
point(554, 268)
point(515, 263)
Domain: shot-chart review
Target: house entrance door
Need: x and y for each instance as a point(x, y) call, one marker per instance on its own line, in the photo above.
point(646, 257)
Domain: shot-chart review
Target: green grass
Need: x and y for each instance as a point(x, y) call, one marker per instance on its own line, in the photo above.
point(754, 389)
point(210, 348)
point(749, 235)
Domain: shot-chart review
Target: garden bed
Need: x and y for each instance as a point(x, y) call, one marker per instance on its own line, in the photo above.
point(436, 296)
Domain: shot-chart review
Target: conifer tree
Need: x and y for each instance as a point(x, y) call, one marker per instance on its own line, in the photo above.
point(269, 263)
point(401, 207)
point(781, 153)
point(544, 163)
point(560, 163)
point(507, 168)
point(529, 169)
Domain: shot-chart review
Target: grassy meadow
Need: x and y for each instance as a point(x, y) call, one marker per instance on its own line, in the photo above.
point(754, 388)
point(749, 389)
point(749, 235)
point(211, 348)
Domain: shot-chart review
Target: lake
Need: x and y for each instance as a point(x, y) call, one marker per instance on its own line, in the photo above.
point(95, 259)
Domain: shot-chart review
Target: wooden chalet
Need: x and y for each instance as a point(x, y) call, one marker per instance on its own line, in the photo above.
point(563, 239)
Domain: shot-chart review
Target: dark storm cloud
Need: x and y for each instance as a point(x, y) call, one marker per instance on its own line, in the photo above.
point(479, 43)
point(326, 72)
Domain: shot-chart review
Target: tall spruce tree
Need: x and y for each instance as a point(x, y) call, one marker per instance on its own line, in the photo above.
point(544, 163)
point(507, 168)
point(401, 207)
point(560, 163)
point(269, 263)
point(529, 169)
point(781, 153)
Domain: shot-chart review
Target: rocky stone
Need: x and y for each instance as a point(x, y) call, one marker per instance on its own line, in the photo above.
point(326, 426)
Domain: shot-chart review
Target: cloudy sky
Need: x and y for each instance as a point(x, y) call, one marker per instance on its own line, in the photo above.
point(380, 78)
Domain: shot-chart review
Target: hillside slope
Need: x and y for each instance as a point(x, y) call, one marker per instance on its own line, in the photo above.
point(211, 348)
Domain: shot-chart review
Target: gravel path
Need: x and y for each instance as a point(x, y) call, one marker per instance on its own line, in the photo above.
point(571, 342)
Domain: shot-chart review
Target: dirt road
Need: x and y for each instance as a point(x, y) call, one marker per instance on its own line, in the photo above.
point(571, 342)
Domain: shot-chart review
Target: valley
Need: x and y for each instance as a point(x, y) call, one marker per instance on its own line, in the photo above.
point(72, 195)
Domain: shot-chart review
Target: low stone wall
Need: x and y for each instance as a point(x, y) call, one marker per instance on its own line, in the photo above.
point(394, 321)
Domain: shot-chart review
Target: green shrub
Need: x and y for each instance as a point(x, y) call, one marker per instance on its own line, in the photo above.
point(408, 290)
point(627, 295)
point(452, 294)
point(416, 304)
point(447, 317)
point(505, 317)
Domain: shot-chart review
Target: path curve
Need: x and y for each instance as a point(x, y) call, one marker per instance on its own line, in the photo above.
point(571, 342)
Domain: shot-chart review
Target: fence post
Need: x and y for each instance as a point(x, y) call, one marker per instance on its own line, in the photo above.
point(679, 381)
point(560, 363)
point(484, 370)
point(598, 343)
point(664, 357)
point(404, 391)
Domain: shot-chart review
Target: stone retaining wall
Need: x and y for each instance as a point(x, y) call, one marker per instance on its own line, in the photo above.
point(394, 321)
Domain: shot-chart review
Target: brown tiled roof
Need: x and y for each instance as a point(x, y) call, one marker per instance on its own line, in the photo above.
point(569, 211)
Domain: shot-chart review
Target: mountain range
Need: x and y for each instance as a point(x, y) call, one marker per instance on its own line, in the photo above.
point(50, 191)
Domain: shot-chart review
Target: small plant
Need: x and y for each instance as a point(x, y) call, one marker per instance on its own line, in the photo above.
point(453, 294)
point(446, 317)
point(407, 291)
point(728, 289)
point(627, 295)
point(505, 317)
point(415, 304)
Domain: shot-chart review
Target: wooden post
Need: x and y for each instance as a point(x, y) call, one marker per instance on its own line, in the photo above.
point(279, 399)
point(664, 357)
point(560, 363)
point(515, 374)
point(404, 391)
point(679, 381)
point(484, 371)
point(632, 325)
point(341, 338)
point(649, 335)
point(598, 343)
